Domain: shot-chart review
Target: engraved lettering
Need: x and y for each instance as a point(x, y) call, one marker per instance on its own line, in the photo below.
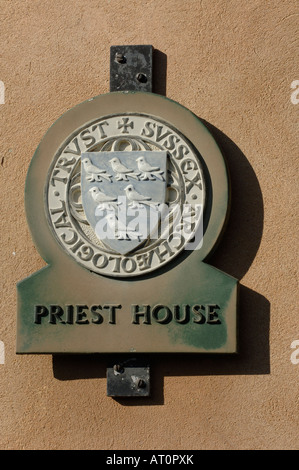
point(97, 317)
point(148, 130)
point(61, 221)
point(80, 315)
point(86, 253)
point(162, 254)
point(141, 314)
point(137, 313)
point(188, 165)
point(85, 136)
point(159, 135)
point(116, 268)
point(76, 151)
point(77, 246)
point(178, 237)
point(199, 316)
point(69, 310)
point(193, 182)
point(100, 260)
point(167, 314)
point(181, 152)
point(63, 163)
point(56, 312)
point(145, 260)
point(39, 312)
point(212, 316)
point(112, 315)
point(57, 178)
point(171, 142)
point(177, 313)
point(128, 265)
point(100, 127)
point(72, 240)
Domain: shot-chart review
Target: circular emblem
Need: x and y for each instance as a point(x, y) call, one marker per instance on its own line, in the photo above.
point(124, 183)
point(125, 194)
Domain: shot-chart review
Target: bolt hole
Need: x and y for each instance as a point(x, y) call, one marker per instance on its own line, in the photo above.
point(118, 368)
point(120, 58)
point(141, 383)
point(141, 77)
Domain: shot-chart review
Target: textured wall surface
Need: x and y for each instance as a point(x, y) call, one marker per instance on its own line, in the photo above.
point(232, 63)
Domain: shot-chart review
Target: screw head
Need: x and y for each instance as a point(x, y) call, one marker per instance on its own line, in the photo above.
point(141, 77)
point(141, 383)
point(118, 368)
point(120, 58)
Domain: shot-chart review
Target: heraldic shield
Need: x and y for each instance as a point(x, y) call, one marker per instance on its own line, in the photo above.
point(122, 195)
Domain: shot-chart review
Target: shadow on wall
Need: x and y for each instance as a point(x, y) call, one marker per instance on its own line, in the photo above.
point(234, 255)
point(159, 72)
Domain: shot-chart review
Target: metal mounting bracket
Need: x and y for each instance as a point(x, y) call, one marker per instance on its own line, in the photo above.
point(131, 68)
point(129, 378)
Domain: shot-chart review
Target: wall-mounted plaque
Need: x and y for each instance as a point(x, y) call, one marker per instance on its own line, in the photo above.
point(126, 196)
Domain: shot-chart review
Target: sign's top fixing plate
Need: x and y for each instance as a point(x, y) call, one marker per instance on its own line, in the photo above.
point(131, 68)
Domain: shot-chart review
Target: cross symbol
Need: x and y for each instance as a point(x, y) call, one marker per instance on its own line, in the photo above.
point(125, 124)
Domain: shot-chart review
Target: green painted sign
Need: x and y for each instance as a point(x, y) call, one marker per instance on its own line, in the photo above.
point(126, 196)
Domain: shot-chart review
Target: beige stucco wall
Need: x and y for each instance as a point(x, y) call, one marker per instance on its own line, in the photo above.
point(232, 63)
